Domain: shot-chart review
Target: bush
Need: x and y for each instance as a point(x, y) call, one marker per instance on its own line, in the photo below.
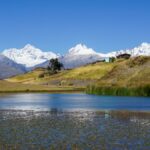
point(27, 90)
point(54, 66)
point(41, 75)
point(112, 59)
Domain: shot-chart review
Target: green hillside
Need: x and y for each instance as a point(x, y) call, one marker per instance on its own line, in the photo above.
point(122, 73)
point(75, 77)
point(131, 73)
point(128, 77)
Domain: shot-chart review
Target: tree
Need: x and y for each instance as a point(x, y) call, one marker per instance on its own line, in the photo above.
point(54, 66)
point(112, 59)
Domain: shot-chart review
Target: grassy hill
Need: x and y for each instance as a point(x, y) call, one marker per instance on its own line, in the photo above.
point(76, 77)
point(128, 77)
point(131, 73)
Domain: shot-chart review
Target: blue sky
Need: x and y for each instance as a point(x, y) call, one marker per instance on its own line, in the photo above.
point(57, 25)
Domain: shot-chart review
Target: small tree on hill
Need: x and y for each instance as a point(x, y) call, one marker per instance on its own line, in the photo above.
point(54, 66)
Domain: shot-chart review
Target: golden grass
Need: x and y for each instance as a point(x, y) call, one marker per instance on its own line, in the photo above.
point(122, 73)
point(17, 87)
point(129, 73)
point(27, 77)
point(93, 71)
point(89, 72)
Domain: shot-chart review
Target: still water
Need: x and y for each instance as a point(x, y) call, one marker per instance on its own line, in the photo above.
point(72, 102)
point(43, 122)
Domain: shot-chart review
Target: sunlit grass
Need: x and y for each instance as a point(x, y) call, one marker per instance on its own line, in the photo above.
point(92, 71)
point(17, 87)
point(124, 75)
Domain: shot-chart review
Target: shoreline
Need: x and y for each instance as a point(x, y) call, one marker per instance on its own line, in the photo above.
point(105, 111)
point(80, 90)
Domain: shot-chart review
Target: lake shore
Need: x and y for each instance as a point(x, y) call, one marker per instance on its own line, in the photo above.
point(9, 87)
point(92, 90)
point(77, 90)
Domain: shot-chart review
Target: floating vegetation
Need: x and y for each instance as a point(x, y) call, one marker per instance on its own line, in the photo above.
point(89, 130)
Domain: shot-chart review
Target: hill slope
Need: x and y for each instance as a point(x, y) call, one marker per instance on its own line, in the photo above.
point(130, 77)
point(81, 76)
point(132, 72)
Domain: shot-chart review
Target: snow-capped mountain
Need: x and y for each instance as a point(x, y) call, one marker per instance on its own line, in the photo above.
point(9, 68)
point(29, 56)
point(80, 49)
point(81, 55)
point(78, 56)
point(143, 49)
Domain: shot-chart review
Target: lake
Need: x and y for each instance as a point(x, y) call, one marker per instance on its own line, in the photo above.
point(74, 122)
point(72, 102)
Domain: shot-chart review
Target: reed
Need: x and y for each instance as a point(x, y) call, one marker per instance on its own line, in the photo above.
point(119, 91)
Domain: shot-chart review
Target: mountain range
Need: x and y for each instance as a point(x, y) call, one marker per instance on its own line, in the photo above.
point(15, 61)
point(9, 68)
point(29, 56)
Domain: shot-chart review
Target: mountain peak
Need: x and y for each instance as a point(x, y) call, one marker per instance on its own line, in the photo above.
point(80, 45)
point(28, 56)
point(145, 44)
point(29, 46)
point(81, 49)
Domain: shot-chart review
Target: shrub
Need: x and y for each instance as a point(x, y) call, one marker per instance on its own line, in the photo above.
point(54, 66)
point(41, 75)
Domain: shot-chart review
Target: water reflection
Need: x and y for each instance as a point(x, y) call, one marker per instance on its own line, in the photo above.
point(72, 101)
